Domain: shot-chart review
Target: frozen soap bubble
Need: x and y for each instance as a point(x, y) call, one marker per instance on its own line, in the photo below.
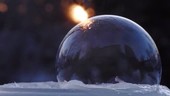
point(108, 49)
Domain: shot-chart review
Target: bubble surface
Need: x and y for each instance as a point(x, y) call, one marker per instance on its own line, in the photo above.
point(108, 49)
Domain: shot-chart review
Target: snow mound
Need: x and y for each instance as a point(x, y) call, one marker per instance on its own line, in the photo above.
point(77, 88)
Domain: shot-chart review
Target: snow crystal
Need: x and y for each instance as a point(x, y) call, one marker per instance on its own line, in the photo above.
point(77, 88)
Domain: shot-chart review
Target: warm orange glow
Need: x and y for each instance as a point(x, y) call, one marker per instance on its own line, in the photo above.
point(78, 13)
point(3, 7)
point(86, 24)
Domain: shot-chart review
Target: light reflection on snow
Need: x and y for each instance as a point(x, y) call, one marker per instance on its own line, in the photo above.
point(77, 88)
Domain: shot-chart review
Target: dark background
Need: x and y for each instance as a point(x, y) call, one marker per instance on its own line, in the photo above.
point(31, 31)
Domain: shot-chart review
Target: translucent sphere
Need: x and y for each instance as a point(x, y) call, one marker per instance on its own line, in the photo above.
point(108, 49)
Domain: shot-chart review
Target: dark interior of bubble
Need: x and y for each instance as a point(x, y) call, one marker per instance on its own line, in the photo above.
point(113, 48)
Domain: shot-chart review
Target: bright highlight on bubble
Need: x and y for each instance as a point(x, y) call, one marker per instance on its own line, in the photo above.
point(78, 13)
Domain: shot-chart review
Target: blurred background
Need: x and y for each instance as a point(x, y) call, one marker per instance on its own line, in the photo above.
point(31, 31)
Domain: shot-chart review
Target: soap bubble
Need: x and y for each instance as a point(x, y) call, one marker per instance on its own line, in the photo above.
point(108, 49)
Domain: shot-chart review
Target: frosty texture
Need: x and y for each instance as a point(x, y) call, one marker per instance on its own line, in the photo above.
point(77, 88)
point(108, 49)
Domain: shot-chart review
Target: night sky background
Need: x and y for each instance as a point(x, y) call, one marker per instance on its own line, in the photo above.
point(31, 31)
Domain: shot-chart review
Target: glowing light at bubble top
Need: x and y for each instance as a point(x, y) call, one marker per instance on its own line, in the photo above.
point(78, 13)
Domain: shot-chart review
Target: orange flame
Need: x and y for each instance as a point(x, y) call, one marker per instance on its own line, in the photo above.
point(78, 13)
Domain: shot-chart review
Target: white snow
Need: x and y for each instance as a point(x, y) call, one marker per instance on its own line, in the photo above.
point(77, 88)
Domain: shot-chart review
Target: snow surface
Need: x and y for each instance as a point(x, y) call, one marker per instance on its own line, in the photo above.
point(77, 88)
